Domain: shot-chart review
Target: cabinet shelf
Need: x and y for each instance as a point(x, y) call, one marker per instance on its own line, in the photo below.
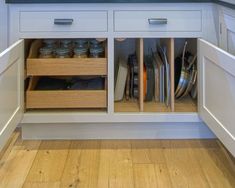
point(183, 105)
point(127, 106)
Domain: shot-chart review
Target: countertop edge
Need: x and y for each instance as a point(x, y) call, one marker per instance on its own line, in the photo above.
point(219, 2)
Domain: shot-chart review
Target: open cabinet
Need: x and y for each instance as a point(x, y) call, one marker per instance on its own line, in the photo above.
point(216, 78)
point(214, 84)
point(216, 89)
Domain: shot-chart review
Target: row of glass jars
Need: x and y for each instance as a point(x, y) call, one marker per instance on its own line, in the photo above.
point(79, 48)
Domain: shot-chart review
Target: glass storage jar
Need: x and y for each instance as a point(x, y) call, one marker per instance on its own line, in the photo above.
point(95, 43)
point(81, 43)
point(62, 53)
point(96, 51)
point(45, 52)
point(80, 52)
point(66, 43)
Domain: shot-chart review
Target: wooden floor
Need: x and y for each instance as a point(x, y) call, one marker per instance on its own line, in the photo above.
point(114, 164)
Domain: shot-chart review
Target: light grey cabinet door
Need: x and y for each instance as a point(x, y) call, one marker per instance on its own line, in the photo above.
point(11, 89)
point(227, 31)
point(217, 92)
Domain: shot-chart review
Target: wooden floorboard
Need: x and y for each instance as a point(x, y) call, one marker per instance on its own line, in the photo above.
point(116, 164)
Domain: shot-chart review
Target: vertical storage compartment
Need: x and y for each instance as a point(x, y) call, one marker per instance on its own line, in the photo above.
point(165, 83)
point(186, 73)
point(66, 83)
point(128, 75)
point(159, 75)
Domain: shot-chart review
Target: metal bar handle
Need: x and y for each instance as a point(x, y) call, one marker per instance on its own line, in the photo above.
point(157, 21)
point(63, 21)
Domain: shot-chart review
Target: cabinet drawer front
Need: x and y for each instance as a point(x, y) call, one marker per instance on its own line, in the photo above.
point(158, 21)
point(77, 21)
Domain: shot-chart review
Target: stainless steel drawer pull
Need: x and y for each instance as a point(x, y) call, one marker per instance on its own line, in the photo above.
point(63, 21)
point(157, 21)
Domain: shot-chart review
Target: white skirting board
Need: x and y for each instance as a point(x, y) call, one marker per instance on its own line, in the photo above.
point(117, 131)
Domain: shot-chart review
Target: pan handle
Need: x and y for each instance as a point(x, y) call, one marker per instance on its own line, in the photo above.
point(183, 56)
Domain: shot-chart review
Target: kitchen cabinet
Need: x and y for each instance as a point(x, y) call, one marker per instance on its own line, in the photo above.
point(216, 99)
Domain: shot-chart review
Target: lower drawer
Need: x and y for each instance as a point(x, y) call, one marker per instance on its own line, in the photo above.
point(47, 99)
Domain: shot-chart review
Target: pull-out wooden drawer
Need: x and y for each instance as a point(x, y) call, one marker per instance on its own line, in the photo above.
point(48, 99)
point(63, 21)
point(65, 66)
point(158, 21)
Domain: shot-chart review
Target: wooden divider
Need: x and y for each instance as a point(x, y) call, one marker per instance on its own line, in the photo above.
point(140, 56)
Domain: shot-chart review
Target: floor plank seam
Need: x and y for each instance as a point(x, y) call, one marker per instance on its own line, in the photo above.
point(32, 164)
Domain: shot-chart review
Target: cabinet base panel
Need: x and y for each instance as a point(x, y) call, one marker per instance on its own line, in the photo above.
point(117, 131)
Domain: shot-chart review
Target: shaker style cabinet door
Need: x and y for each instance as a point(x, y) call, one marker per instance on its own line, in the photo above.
point(217, 92)
point(11, 89)
point(227, 32)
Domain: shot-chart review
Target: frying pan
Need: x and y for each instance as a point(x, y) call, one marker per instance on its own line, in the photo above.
point(184, 76)
point(192, 77)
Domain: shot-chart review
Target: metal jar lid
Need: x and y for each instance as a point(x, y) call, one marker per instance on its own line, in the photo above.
point(49, 42)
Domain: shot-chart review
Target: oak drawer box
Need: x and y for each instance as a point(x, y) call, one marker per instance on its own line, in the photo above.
point(65, 66)
point(158, 21)
point(74, 21)
point(47, 99)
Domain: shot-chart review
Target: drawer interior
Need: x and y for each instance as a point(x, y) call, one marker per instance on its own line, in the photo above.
point(161, 82)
